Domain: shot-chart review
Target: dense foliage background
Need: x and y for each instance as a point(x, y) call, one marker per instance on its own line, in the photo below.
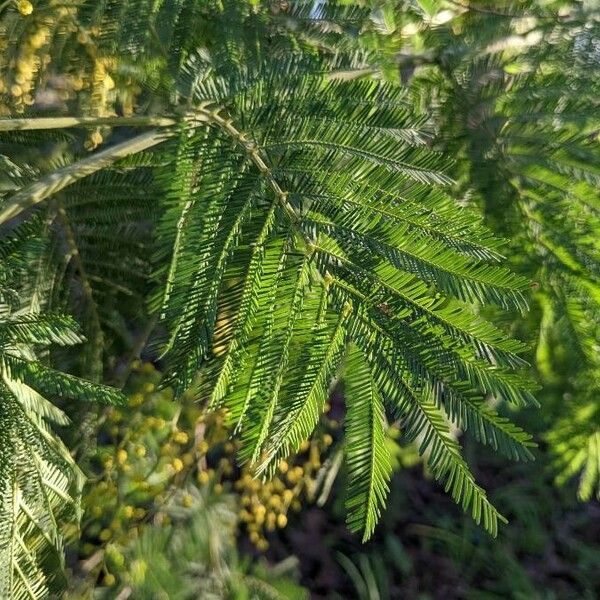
point(272, 272)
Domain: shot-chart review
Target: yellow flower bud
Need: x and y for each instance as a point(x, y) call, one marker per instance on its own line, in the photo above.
point(177, 465)
point(244, 515)
point(105, 535)
point(139, 513)
point(121, 456)
point(115, 556)
point(96, 139)
point(281, 521)
point(39, 39)
point(136, 400)
point(187, 500)
point(181, 437)
point(109, 580)
point(166, 449)
point(24, 7)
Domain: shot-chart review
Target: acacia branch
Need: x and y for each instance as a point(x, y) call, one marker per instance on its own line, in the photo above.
point(96, 335)
point(67, 122)
point(52, 183)
point(48, 185)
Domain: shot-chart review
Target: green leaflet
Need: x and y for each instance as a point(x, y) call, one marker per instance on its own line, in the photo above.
point(40, 483)
point(303, 404)
point(367, 456)
point(39, 489)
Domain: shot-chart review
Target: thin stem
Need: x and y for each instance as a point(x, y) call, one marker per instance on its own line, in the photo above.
point(256, 156)
point(48, 185)
point(139, 344)
point(52, 183)
point(67, 122)
point(96, 337)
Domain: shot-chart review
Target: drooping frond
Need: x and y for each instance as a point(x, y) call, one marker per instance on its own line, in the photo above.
point(367, 456)
point(302, 403)
point(39, 485)
point(39, 481)
point(422, 403)
point(271, 238)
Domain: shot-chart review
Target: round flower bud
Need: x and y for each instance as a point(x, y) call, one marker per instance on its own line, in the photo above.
point(24, 7)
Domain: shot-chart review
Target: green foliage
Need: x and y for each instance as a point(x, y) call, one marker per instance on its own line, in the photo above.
point(369, 463)
point(531, 558)
point(39, 481)
point(252, 195)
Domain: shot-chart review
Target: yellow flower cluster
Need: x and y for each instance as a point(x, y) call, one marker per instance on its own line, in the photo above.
point(24, 57)
point(265, 504)
point(156, 452)
point(133, 470)
point(26, 66)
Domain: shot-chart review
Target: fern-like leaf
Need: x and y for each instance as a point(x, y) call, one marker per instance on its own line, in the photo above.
point(367, 455)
